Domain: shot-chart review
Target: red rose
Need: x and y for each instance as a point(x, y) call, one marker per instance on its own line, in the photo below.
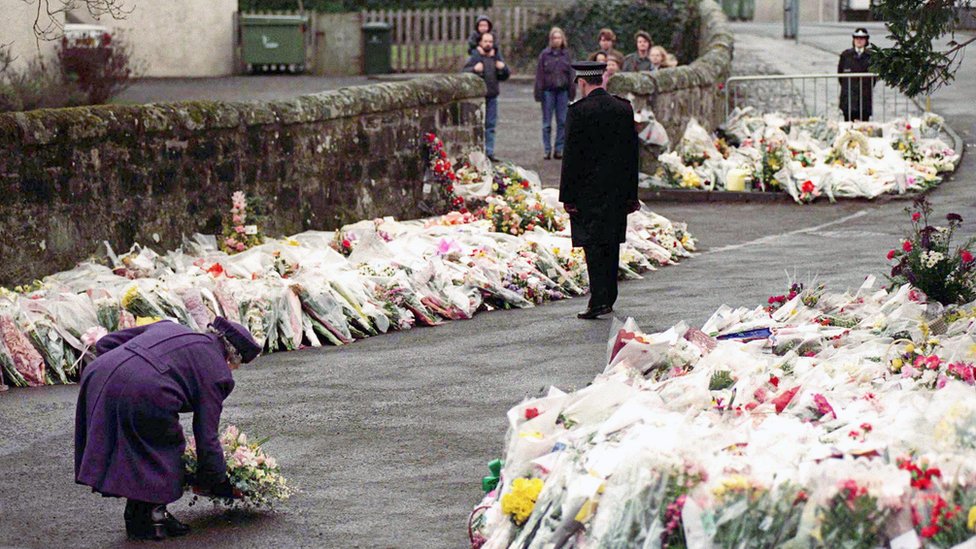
point(908, 126)
point(930, 531)
point(430, 138)
point(906, 245)
point(916, 216)
point(966, 256)
point(866, 427)
point(531, 413)
point(443, 153)
point(346, 243)
point(807, 186)
point(463, 210)
point(525, 183)
point(891, 254)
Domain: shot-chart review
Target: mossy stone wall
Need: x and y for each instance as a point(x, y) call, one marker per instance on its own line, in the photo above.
point(73, 178)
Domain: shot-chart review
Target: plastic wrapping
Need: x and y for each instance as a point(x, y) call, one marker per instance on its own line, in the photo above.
point(744, 434)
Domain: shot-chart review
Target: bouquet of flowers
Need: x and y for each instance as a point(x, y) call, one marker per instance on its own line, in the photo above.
point(927, 260)
point(237, 235)
point(250, 470)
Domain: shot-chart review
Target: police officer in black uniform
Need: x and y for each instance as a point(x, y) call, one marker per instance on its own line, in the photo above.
point(598, 186)
point(856, 93)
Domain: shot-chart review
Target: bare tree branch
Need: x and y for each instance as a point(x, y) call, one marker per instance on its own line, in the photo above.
point(48, 17)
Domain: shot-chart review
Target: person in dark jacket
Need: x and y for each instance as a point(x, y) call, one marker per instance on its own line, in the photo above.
point(598, 184)
point(554, 89)
point(856, 94)
point(481, 26)
point(640, 60)
point(607, 42)
point(128, 438)
point(493, 70)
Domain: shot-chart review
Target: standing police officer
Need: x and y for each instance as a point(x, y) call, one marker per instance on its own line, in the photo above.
point(856, 93)
point(598, 186)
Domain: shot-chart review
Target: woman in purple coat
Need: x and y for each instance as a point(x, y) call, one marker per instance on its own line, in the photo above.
point(128, 438)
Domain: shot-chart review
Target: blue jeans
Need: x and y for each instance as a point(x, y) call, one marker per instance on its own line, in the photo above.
point(554, 102)
point(491, 118)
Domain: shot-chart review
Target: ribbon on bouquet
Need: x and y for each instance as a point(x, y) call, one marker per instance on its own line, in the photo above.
point(490, 482)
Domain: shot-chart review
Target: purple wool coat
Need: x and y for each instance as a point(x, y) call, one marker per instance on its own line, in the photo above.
point(128, 438)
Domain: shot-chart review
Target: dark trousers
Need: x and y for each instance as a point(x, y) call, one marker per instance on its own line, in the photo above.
point(491, 120)
point(601, 266)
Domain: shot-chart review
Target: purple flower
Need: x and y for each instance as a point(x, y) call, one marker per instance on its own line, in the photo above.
point(954, 217)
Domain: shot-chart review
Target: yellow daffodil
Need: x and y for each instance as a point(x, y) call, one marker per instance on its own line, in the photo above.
point(971, 519)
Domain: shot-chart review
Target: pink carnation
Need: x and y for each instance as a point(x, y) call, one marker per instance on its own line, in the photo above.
point(92, 335)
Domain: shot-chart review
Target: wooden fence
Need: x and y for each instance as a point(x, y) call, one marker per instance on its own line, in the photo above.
point(435, 40)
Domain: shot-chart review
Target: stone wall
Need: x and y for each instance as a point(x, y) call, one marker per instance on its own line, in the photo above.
point(688, 91)
point(71, 178)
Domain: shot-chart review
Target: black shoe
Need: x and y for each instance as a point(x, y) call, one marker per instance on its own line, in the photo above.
point(146, 521)
point(558, 155)
point(548, 155)
point(595, 312)
point(493, 158)
point(174, 528)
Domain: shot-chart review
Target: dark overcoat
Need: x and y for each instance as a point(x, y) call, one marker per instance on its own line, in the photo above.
point(128, 438)
point(491, 74)
point(856, 97)
point(600, 167)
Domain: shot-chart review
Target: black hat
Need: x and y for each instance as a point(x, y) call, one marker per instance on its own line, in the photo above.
point(238, 336)
point(586, 69)
point(861, 32)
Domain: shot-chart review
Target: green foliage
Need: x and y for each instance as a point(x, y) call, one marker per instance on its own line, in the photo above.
point(721, 379)
point(928, 261)
point(357, 5)
point(853, 519)
point(673, 25)
point(913, 64)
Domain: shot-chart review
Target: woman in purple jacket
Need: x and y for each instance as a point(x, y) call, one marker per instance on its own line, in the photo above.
point(128, 438)
point(554, 89)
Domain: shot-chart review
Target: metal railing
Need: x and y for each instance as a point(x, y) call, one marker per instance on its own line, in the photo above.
point(820, 95)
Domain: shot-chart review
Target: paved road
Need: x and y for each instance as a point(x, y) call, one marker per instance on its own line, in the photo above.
point(389, 437)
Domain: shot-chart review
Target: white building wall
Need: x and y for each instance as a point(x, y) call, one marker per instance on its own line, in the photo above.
point(17, 31)
point(177, 38)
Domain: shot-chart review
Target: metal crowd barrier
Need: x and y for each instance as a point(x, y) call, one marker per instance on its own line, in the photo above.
point(805, 95)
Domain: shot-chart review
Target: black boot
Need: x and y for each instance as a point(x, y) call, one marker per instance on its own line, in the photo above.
point(139, 523)
point(173, 527)
point(151, 521)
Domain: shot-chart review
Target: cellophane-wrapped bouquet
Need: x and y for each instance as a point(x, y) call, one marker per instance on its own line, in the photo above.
point(250, 470)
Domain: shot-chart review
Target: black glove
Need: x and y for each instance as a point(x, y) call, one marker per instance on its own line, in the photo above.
point(225, 490)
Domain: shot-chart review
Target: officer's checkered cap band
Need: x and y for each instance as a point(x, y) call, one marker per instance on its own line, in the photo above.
point(588, 73)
